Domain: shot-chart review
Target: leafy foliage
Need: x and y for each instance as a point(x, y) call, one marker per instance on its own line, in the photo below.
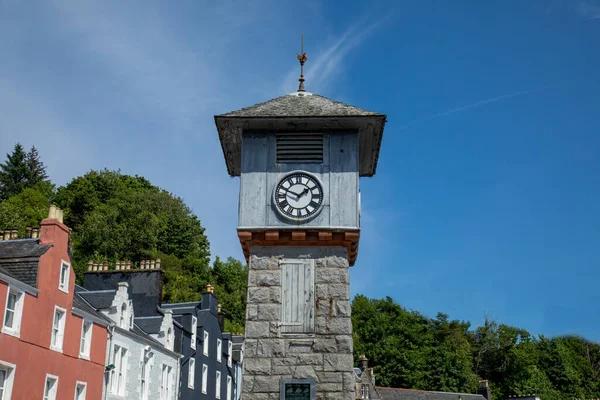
point(409, 350)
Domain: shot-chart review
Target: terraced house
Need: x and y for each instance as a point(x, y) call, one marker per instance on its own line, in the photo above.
point(50, 348)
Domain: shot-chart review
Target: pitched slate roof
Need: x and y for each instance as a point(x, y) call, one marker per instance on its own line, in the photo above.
point(20, 258)
point(181, 308)
point(413, 394)
point(99, 299)
point(149, 324)
point(294, 105)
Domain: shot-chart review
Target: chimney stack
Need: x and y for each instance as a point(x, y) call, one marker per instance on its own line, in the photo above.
point(363, 362)
point(484, 389)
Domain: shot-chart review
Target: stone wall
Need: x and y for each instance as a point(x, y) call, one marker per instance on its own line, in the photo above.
point(325, 355)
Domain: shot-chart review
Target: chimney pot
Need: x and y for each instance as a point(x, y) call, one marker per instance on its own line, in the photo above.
point(52, 212)
point(14, 234)
point(128, 264)
point(1, 235)
point(90, 265)
point(158, 263)
point(219, 307)
point(105, 266)
point(28, 232)
point(209, 288)
point(35, 233)
point(59, 215)
point(152, 264)
point(94, 266)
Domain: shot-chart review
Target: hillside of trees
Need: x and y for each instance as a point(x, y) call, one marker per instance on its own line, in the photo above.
point(119, 217)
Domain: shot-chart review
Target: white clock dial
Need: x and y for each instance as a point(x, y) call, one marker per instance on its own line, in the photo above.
point(298, 196)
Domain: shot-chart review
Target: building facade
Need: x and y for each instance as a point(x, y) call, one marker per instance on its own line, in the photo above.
point(299, 158)
point(49, 347)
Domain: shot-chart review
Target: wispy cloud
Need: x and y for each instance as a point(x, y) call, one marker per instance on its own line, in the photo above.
point(588, 9)
point(320, 68)
point(470, 106)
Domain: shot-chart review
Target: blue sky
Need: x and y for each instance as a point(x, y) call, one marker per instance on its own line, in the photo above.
point(487, 196)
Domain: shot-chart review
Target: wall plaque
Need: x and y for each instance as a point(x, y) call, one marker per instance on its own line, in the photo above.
point(297, 389)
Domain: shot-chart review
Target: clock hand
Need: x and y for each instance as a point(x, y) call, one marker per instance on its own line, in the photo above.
point(304, 192)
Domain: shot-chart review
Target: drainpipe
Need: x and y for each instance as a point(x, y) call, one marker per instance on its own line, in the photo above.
point(108, 360)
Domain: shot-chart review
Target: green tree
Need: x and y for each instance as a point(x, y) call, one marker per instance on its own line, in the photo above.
point(27, 208)
point(36, 170)
point(13, 173)
point(231, 281)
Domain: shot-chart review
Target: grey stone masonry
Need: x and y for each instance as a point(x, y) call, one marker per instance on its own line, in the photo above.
point(325, 354)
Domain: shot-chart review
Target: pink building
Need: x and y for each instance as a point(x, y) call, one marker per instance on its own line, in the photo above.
point(49, 347)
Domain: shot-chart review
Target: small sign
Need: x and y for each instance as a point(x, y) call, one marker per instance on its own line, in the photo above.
point(297, 389)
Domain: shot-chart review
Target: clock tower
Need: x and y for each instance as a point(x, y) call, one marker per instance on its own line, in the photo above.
point(299, 158)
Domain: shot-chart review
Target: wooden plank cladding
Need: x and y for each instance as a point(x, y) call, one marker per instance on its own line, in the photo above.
point(299, 238)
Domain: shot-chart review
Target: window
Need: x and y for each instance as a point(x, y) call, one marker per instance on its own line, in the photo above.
point(86, 339)
point(194, 329)
point(229, 353)
point(146, 356)
point(168, 344)
point(205, 344)
point(58, 329)
point(123, 316)
point(204, 378)
point(118, 372)
point(364, 392)
point(63, 283)
point(218, 385)
point(7, 377)
point(219, 350)
point(299, 148)
point(80, 388)
point(13, 312)
point(298, 302)
point(191, 373)
point(51, 387)
point(166, 383)
point(228, 387)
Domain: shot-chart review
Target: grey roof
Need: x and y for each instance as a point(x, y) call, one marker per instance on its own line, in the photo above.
point(294, 105)
point(308, 112)
point(413, 394)
point(149, 324)
point(181, 308)
point(81, 304)
point(99, 299)
point(20, 258)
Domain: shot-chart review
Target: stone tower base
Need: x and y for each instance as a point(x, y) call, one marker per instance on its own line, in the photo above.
point(326, 356)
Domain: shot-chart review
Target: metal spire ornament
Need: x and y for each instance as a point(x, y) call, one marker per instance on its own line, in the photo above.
point(302, 58)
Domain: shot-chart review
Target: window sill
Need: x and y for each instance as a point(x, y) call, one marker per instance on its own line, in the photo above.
point(56, 348)
point(64, 290)
point(12, 332)
point(191, 387)
point(84, 356)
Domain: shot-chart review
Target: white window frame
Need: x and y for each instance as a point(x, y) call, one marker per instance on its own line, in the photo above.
point(79, 384)
point(219, 350)
point(218, 385)
point(9, 380)
point(204, 378)
point(123, 316)
point(86, 339)
point(166, 380)
point(228, 387)
point(205, 343)
point(60, 335)
point(51, 395)
point(119, 371)
point(191, 372)
point(145, 372)
point(63, 286)
point(15, 329)
point(194, 331)
point(229, 353)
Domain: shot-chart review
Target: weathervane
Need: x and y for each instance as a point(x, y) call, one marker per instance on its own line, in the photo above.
point(302, 58)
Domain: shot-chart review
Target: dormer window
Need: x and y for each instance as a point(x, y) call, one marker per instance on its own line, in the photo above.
point(194, 329)
point(123, 316)
point(169, 340)
point(63, 283)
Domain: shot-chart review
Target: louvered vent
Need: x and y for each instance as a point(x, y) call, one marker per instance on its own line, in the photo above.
point(298, 148)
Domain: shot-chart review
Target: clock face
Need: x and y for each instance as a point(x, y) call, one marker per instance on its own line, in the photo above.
point(298, 196)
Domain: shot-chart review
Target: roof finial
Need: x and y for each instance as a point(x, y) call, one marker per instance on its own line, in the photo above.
point(302, 58)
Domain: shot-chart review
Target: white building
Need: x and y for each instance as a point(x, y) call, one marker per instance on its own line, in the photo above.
point(140, 361)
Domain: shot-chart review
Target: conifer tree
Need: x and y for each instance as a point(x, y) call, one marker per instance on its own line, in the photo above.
point(36, 170)
point(13, 173)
